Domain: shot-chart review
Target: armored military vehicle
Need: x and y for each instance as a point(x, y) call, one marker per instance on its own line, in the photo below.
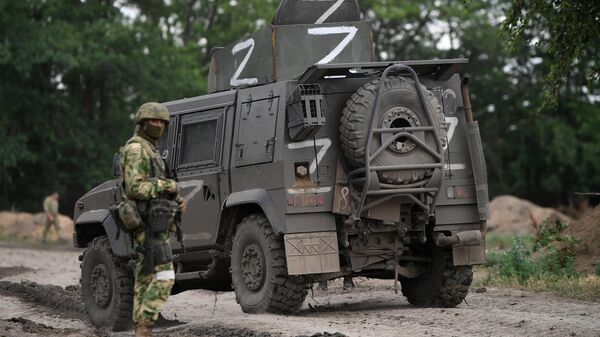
point(309, 161)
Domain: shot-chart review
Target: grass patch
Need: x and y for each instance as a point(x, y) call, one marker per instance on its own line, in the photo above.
point(541, 263)
point(579, 287)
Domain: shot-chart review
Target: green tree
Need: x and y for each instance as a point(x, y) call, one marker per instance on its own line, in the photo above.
point(569, 31)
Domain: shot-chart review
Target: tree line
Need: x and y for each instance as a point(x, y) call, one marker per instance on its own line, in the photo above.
point(72, 74)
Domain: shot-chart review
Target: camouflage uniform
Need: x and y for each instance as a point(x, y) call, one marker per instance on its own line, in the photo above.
point(51, 206)
point(151, 290)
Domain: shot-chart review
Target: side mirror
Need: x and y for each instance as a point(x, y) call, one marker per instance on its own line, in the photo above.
point(117, 165)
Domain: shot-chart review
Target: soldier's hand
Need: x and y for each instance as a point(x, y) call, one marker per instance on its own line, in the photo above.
point(182, 204)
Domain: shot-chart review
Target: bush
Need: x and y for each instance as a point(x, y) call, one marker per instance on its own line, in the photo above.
point(597, 269)
point(549, 256)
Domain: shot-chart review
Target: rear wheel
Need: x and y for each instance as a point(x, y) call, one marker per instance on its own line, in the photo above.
point(259, 272)
point(443, 285)
point(107, 287)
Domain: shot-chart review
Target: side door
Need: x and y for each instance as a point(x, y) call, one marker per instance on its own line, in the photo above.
point(198, 166)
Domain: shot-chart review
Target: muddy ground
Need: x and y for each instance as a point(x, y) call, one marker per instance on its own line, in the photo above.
point(40, 296)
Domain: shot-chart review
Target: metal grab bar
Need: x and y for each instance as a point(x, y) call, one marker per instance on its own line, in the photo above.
point(403, 132)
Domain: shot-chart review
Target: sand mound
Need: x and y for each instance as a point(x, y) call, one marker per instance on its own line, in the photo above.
point(510, 215)
point(29, 226)
point(587, 229)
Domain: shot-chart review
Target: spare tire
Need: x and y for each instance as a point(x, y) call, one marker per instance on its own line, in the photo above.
point(399, 107)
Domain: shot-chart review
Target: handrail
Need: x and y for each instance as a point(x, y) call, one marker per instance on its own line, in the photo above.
point(404, 134)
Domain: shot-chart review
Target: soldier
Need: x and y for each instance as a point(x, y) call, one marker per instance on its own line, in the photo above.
point(157, 200)
point(51, 210)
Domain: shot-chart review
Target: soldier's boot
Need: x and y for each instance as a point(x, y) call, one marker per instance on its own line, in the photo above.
point(144, 328)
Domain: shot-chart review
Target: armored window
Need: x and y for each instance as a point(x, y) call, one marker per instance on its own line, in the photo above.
point(200, 139)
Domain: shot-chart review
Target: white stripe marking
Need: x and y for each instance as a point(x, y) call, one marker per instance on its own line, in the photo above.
point(453, 121)
point(330, 11)
point(309, 190)
point(165, 275)
point(456, 167)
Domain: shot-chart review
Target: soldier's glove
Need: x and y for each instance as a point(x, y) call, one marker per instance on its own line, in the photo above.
point(182, 204)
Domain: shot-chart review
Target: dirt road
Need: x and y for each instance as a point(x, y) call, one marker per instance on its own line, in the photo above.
point(371, 310)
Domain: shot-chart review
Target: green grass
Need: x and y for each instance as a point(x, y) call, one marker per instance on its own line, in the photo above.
point(541, 263)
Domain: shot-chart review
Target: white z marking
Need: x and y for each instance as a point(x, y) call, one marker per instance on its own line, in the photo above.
point(323, 143)
point(235, 80)
point(351, 31)
point(330, 11)
point(453, 121)
point(197, 184)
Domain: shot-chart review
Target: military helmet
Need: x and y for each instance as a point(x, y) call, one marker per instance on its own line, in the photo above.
point(151, 110)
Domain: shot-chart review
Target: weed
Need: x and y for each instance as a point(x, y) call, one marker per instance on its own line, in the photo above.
point(597, 269)
point(545, 262)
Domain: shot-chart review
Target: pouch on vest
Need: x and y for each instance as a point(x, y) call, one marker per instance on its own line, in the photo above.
point(162, 253)
point(161, 214)
point(129, 215)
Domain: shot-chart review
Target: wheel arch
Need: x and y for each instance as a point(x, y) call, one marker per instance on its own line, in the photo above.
point(241, 204)
point(92, 224)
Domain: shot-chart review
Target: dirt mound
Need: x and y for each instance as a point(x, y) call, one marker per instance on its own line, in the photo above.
point(27, 226)
point(510, 215)
point(65, 302)
point(587, 229)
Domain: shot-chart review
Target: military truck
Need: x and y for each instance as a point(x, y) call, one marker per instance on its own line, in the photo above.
point(309, 161)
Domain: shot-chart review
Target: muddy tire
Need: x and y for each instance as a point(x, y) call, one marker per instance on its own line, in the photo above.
point(444, 285)
point(399, 107)
point(259, 272)
point(107, 287)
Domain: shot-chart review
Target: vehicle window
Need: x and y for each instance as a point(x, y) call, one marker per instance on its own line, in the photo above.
point(198, 142)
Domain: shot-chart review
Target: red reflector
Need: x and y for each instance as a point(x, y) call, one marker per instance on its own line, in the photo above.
point(298, 200)
point(320, 200)
point(465, 192)
point(311, 200)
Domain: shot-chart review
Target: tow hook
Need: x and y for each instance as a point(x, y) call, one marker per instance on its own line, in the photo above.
point(460, 239)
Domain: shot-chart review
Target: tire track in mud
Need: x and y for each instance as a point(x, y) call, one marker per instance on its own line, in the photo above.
point(68, 303)
point(65, 302)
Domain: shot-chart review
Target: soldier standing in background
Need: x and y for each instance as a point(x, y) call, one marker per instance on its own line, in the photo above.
point(51, 211)
point(157, 200)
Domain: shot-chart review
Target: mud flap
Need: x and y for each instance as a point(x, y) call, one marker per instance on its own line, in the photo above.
point(468, 255)
point(312, 253)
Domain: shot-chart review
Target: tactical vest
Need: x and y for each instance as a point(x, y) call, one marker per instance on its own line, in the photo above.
point(135, 213)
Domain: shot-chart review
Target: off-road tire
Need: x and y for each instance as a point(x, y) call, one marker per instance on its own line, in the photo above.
point(443, 285)
point(273, 290)
point(116, 313)
point(399, 92)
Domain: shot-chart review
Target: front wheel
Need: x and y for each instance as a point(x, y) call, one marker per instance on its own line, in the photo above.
point(443, 285)
point(259, 272)
point(107, 287)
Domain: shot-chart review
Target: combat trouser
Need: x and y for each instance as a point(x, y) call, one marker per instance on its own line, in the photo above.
point(48, 224)
point(151, 290)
